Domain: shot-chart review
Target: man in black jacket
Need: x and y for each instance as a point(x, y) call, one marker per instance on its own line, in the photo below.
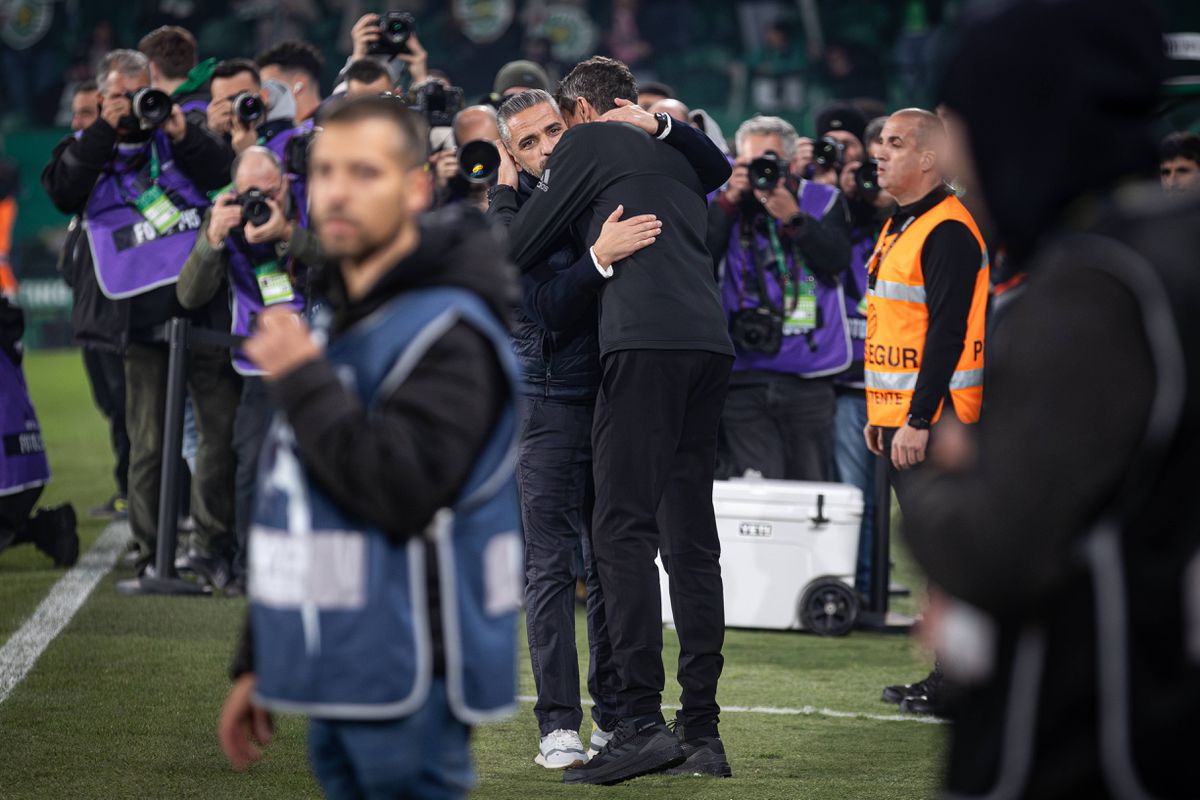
point(116, 156)
point(395, 464)
point(1074, 534)
point(666, 357)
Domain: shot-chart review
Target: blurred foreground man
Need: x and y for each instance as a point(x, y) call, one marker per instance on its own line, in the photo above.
point(1074, 534)
point(385, 557)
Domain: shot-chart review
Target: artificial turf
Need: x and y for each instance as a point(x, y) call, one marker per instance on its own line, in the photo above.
point(124, 702)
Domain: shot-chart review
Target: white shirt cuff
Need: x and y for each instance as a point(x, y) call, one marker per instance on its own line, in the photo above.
point(605, 271)
point(667, 130)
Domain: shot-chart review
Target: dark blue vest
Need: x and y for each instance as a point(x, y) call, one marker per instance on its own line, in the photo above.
point(339, 613)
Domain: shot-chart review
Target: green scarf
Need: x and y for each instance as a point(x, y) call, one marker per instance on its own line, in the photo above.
point(197, 77)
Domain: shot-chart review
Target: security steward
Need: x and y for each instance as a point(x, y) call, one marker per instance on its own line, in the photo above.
point(926, 300)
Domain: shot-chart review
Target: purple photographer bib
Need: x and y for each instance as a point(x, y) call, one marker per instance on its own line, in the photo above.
point(247, 297)
point(130, 255)
point(825, 350)
point(23, 462)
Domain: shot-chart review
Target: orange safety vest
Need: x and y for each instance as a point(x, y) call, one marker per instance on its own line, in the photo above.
point(898, 320)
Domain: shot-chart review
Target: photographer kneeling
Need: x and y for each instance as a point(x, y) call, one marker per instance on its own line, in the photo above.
point(253, 238)
point(785, 247)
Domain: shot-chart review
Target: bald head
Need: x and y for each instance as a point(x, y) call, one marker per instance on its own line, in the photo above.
point(673, 109)
point(909, 154)
point(257, 168)
point(475, 122)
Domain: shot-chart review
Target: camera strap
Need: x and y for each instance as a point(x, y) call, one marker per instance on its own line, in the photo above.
point(154, 204)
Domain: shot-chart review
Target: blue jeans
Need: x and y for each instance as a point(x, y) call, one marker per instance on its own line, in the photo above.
point(554, 473)
point(425, 756)
point(856, 466)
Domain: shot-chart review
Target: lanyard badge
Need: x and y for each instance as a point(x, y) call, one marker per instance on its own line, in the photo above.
point(154, 204)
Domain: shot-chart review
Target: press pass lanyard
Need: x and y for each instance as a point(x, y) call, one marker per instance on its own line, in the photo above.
point(878, 257)
point(155, 171)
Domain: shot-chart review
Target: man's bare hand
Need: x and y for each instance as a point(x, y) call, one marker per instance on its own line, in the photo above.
point(908, 447)
point(633, 114)
point(281, 343)
point(242, 724)
point(364, 32)
point(275, 229)
point(780, 203)
point(874, 436)
point(226, 215)
point(509, 172)
point(176, 124)
point(622, 238)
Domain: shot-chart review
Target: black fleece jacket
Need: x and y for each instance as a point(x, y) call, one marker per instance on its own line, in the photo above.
point(396, 468)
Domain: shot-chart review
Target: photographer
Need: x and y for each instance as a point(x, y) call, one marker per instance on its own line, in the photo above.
point(367, 76)
point(297, 65)
point(249, 113)
point(396, 53)
point(452, 186)
point(141, 191)
point(261, 261)
point(174, 69)
point(785, 248)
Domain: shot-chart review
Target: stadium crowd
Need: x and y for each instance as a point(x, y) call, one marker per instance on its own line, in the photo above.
point(492, 355)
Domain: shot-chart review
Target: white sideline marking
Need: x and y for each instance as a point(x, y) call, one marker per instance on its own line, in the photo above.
point(805, 711)
point(21, 652)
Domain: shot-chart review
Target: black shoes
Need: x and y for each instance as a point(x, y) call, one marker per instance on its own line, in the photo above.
point(213, 571)
point(926, 696)
point(705, 755)
point(638, 747)
point(54, 534)
point(928, 685)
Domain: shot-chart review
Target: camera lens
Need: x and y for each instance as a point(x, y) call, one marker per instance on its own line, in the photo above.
point(765, 172)
point(249, 107)
point(151, 107)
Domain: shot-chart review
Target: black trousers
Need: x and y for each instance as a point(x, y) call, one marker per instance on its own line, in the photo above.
point(106, 373)
point(779, 425)
point(654, 443)
point(250, 425)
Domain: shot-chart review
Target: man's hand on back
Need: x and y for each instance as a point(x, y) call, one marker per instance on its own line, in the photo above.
point(632, 114)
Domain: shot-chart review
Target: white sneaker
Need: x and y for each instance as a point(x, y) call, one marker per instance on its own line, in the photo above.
point(560, 749)
point(599, 740)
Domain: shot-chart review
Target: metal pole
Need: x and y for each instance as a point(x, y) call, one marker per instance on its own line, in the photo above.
point(168, 493)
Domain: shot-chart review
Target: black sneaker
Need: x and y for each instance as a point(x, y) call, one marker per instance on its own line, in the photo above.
point(705, 755)
point(213, 571)
point(929, 684)
point(634, 750)
point(925, 705)
point(55, 535)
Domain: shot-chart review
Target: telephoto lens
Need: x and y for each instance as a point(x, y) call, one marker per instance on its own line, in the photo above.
point(394, 29)
point(766, 171)
point(150, 106)
point(828, 153)
point(867, 178)
point(255, 209)
point(479, 161)
point(249, 108)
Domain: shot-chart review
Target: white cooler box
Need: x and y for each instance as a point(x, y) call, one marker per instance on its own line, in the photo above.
point(789, 551)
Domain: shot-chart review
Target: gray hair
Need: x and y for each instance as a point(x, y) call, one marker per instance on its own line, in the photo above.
point(256, 150)
point(126, 62)
point(768, 126)
point(518, 103)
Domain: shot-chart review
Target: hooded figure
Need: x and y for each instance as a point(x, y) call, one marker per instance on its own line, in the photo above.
point(1067, 538)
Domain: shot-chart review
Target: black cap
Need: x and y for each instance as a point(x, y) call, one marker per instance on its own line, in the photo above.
point(841, 117)
point(521, 73)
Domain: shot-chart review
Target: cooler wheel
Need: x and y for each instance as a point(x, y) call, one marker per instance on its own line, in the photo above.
point(829, 607)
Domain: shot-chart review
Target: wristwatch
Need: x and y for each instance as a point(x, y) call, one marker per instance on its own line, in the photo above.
point(663, 121)
point(918, 423)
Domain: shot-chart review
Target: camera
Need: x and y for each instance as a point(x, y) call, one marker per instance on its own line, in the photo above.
point(829, 153)
point(394, 29)
point(867, 178)
point(295, 154)
point(151, 107)
point(758, 330)
point(766, 171)
point(479, 161)
point(438, 103)
point(255, 209)
point(249, 108)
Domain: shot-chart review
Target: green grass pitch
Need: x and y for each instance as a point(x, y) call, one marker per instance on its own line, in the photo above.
point(123, 704)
